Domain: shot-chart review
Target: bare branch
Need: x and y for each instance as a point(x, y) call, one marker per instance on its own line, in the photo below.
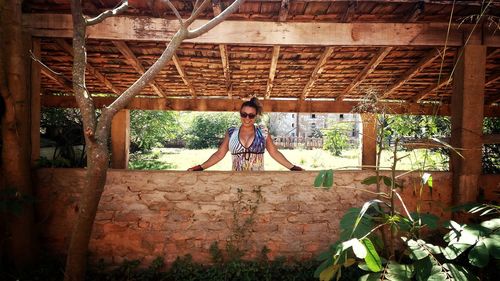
point(172, 7)
point(215, 21)
point(108, 13)
point(197, 12)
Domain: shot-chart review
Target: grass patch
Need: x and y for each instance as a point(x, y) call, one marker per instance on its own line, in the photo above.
point(315, 159)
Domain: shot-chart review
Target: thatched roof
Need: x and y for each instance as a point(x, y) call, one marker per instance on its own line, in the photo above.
point(412, 73)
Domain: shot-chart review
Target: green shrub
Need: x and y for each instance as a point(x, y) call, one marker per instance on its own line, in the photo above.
point(208, 129)
point(150, 128)
point(336, 138)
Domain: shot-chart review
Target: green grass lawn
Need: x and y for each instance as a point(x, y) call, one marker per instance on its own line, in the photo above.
point(316, 159)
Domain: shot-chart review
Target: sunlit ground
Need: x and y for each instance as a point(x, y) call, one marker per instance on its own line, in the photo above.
point(316, 159)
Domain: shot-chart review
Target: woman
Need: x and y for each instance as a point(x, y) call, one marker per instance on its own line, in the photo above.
point(247, 144)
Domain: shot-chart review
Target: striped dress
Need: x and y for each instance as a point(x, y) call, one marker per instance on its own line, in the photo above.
point(247, 158)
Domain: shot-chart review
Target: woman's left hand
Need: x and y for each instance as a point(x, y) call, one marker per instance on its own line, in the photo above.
point(296, 168)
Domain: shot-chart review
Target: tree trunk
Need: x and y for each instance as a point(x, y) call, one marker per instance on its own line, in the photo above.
point(19, 236)
point(97, 166)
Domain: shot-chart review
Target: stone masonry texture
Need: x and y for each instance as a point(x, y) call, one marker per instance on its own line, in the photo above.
point(146, 214)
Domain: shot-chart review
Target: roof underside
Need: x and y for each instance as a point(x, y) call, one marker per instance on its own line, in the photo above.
point(250, 67)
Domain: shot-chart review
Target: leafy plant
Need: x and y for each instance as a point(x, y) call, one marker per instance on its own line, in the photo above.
point(149, 128)
point(336, 139)
point(207, 130)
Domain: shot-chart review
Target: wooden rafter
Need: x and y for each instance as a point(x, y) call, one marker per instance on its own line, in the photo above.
point(492, 79)
point(493, 53)
point(224, 55)
point(220, 104)
point(183, 75)
point(369, 68)
point(97, 74)
point(412, 72)
point(418, 9)
point(320, 67)
point(272, 71)
point(351, 6)
point(283, 14)
point(136, 64)
point(429, 90)
point(259, 32)
point(62, 81)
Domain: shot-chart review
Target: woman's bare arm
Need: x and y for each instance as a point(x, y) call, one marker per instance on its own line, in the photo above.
point(276, 154)
point(218, 155)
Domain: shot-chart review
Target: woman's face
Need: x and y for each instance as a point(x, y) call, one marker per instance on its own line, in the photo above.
point(248, 115)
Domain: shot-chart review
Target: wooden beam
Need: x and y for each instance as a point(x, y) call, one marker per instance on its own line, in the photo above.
point(412, 72)
point(369, 68)
point(429, 90)
point(97, 74)
point(183, 75)
point(224, 55)
point(219, 104)
point(120, 139)
point(272, 71)
point(493, 54)
point(467, 105)
point(133, 28)
point(35, 102)
point(284, 8)
point(320, 67)
point(136, 64)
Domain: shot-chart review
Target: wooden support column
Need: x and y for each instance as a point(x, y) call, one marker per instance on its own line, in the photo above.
point(467, 122)
point(369, 143)
point(120, 139)
point(35, 103)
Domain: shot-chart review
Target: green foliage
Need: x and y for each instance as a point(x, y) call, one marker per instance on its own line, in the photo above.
point(491, 152)
point(336, 138)
point(140, 161)
point(324, 179)
point(62, 129)
point(150, 128)
point(418, 126)
point(208, 129)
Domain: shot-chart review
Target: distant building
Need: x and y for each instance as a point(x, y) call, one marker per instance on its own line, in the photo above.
point(308, 124)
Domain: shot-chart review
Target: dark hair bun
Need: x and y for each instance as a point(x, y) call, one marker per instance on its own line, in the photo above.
point(255, 103)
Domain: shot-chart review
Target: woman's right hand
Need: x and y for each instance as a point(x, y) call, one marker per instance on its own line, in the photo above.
point(196, 168)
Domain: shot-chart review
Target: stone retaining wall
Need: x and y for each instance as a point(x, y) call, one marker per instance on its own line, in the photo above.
point(145, 214)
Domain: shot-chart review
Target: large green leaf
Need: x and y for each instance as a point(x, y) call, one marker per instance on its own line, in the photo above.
point(363, 211)
point(359, 249)
point(399, 272)
point(417, 248)
point(493, 245)
point(323, 266)
point(328, 179)
point(459, 273)
point(479, 255)
point(454, 250)
point(424, 268)
point(372, 258)
point(370, 180)
point(347, 225)
point(318, 181)
point(492, 224)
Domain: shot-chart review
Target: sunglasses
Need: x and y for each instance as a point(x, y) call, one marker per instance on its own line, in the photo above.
point(245, 115)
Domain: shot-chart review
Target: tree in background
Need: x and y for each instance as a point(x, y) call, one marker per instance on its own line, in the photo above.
point(417, 126)
point(149, 128)
point(208, 129)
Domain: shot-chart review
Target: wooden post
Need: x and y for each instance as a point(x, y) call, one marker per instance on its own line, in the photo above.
point(369, 141)
point(120, 139)
point(467, 122)
point(35, 103)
